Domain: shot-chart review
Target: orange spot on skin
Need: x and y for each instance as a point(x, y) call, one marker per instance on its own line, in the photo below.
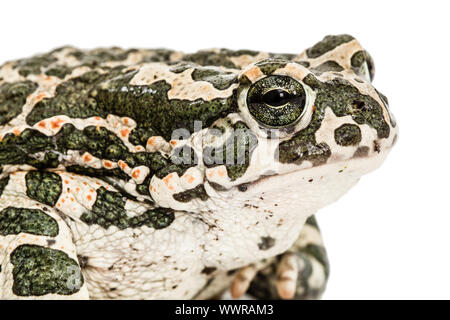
point(48, 78)
point(62, 200)
point(171, 188)
point(87, 157)
point(124, 132)
point(253, 73)
point(97, 118)
point(122, 165)
point(66, 182)
point(136, 173)
point(16, 132)
point(167, 179)
point(107, 164)
point(59, 204)
point(91, 190)
point(42, 124)
point(173, 142)
point(139, 148)
point(72, 199)
point(125, 120)
point(56, 123)
point(211, 174)
point(85, 183)
point(24, 236)
point(89, 197)
point(313, 108)
point(77, 189)
point(189, 178)
point(151, 141)
point(40, 96)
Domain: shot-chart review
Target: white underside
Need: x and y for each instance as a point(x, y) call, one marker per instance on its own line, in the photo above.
point(167, 263)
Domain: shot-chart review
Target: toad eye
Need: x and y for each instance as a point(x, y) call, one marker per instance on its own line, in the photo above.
point(276, 97)
point(276, 101)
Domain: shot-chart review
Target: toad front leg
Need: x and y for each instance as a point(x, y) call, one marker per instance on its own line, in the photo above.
point(299, 273)
point(38, 259)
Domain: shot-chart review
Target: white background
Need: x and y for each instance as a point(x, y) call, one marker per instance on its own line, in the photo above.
point(389, 237)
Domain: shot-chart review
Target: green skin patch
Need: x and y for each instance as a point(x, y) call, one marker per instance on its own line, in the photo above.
point(219, 79)
point(74, 98)
point(327, 44)
point(20, 149)
point(347, 135)
point(303, 145)
point(34, 221)
point(268, 66)
point(34, 65)
point(327, 67)
point(237, 148)
point(101, 173)
point(42, 64)
point(357, 61)
point(221, 58)
point(59, 71)
point(96, 57)
point(3, 184)
point(45, 187)
point(12, 98)
point(197, 192)
point(109, 210)
point(39, 271)
point(182, 159)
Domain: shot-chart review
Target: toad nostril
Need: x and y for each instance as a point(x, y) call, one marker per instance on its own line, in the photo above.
point(376, 146)
point(360, 105)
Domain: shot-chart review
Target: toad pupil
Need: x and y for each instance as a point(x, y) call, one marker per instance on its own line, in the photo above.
point(276, 97)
